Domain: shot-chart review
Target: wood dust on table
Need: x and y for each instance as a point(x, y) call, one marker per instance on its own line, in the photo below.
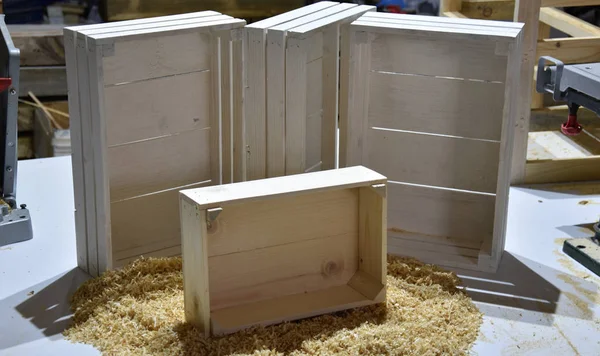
point(139, 310)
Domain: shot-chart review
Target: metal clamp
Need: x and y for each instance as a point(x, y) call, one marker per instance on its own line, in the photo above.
point(544, 77)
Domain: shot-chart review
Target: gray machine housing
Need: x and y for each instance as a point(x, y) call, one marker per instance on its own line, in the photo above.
point(15, 221)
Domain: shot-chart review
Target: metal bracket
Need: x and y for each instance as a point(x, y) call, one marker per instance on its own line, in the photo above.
point(211, 216)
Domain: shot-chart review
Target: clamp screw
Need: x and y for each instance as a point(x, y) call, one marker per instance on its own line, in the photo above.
point(10, 144)
point(9, 169)
point(12, 91)
point(23, 206)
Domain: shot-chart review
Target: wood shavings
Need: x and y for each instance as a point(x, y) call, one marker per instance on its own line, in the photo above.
point(139, 310)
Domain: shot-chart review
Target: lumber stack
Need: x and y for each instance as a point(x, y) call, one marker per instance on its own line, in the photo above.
point(431, 104)
point(148, 99)
point(291, 101)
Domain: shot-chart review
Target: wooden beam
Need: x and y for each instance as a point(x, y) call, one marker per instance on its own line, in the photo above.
point(563, 170)
point(40, 45)
point(450, 6)
point(489, 9)
point(43, 81)
point(537, 99)
point(571, 50)
point(561, 3)
point(568, 24)
point(454, 14)
point(527, 12)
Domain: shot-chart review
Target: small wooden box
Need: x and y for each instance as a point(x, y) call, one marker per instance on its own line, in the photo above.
point(280, 249)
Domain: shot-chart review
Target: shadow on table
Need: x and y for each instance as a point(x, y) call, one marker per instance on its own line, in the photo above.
point(525, 294)
point(40, 311)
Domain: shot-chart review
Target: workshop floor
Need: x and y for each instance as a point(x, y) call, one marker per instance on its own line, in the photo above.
point(540, 302)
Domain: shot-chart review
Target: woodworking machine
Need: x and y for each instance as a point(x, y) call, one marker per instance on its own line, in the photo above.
point(578, 85)
point(15, 222)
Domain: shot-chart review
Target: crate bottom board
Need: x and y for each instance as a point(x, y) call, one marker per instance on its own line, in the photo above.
point(297, 306)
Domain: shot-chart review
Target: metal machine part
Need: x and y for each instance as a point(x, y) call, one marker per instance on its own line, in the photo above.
point(577, 84)
point(15, 222)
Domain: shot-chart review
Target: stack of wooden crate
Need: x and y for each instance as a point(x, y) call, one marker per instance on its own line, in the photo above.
point(291, 101)
point(148, 100)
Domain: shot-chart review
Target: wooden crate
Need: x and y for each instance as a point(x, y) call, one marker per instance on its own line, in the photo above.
point(537, 157)
point(431, 105)
point(147, 102)
point(280, 249)
point(292, 92)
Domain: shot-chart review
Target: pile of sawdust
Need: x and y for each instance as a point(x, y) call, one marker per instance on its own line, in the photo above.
point(139, 310)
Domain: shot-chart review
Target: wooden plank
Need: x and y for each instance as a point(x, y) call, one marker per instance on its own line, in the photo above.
point(344, 95)
point(298, 184)
point(239, 229)
point(563, 170)
point(312, 265)
point(155, 226)
point(255, 105)
point(296, 87)
point(526, 12)
point(394, 97)
point(195, 266)
point(450, 5)
point(43, 81)
point(39, 45)
point(443, 213)
point(214, 104)
point(138, 111)
point(571, 50)
point(372, 230)
point(352, 127)
point(537, 99)
point(314, 112)
point(443, 58)
point(293, 307)
point(158, 164)
point(330, 100)
point(560, 3)
point(239, 141)
point(411, 245)
point(226, 103)
point(442, 161)
point(454, 14)
point(118, 10)
point(95, 80)
point(75, 127)
point(489, 9)
point(568, 24)
point(133, 63)
point(276, 110)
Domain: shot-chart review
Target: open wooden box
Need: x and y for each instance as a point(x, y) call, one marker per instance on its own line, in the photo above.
point(280, 249)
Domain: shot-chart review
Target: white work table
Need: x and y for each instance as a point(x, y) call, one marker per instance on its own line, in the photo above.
point(541, 302)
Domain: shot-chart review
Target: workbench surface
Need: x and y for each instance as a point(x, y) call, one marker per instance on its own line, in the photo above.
point(541, 302)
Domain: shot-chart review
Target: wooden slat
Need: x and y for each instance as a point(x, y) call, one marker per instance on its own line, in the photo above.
point(412, 245)
point(571, 50)
point(256, 275)
point(239, 229)
point(563, 170)
point(276, 110)
point(394, 105)
point(214, 104)
point(139, 111)
point(488, 9)
point(527, 12)
point(443, 58)
point(454, 14)
point(568, 24)
point(195, 266)
point(372, 229)
point(537, 99)
point(450, 5)
point(438, 212)
point(158, 164)
point(298, 306)
point(43, 81)
point(434, 160)
point(39, 45)
point(153, 225)
point(255, 127)
point(330, 100)
point(226, 104)
point(346, 178)
point(296, 92)
point(239, 141)
point(314, 110)
point(138, 62)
